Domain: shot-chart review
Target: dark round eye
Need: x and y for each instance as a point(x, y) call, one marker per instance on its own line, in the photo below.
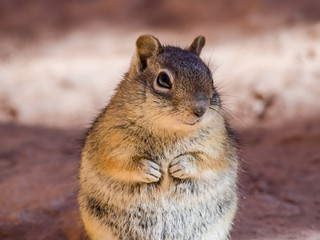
point(163, 81)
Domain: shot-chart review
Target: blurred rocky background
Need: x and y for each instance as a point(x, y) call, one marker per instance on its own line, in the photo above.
point(61, 60)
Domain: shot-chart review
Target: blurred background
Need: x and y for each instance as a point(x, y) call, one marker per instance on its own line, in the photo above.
point(61, 60)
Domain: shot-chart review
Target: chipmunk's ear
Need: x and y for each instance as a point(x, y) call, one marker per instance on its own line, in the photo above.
point(197, 45)
point(147, 46)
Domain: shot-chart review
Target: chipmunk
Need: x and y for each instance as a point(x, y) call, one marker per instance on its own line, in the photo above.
point(160, 162)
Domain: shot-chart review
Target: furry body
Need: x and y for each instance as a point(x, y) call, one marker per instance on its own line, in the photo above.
point(144, 176)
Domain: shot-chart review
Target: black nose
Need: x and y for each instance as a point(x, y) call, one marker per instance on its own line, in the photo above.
point(199, 105)
point(199, 110)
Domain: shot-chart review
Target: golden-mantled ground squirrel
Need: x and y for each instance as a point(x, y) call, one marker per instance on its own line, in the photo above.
point(160, 161)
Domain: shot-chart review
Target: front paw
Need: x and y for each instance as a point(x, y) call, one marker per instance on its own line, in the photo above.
point(182, 167)
point(149, 171)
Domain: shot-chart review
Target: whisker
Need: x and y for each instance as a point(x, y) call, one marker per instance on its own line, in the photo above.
point(212, 108)
point(234, 96)
point(233, 115)
point(221, 85)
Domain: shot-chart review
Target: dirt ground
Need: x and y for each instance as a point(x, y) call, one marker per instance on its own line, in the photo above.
point(59, 63)
point(279, 186)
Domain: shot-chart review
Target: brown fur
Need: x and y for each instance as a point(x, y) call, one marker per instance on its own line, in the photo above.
point(160, 146)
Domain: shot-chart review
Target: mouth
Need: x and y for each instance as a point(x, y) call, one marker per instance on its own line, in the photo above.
point(191, 123)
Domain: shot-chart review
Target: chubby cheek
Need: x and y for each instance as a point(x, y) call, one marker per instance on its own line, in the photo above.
point(169, 123)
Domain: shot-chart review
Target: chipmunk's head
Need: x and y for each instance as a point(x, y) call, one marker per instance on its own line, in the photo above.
point(178, 86)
